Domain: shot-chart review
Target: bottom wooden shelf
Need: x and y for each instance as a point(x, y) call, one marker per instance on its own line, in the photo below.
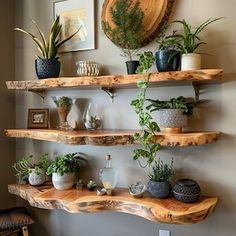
point(74, 201)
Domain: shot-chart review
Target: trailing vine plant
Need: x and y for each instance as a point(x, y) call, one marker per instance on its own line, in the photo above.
point(148, 149)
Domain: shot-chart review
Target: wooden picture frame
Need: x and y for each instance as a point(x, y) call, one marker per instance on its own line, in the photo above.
point(38, 118)
point(73, 15)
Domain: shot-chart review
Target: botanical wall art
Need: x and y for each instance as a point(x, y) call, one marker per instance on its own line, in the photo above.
point(76, 14)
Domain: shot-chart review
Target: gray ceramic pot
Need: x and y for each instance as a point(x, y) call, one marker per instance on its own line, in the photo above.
point(37, 178)
point(159, 189)
point(63, 182)
point(172, 118)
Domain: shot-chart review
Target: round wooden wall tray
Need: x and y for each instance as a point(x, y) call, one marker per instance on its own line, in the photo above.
point(156, 13)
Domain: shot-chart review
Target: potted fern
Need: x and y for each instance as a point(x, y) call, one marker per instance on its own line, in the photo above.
point(127, 18)
point(47, 64)
point(189, 42)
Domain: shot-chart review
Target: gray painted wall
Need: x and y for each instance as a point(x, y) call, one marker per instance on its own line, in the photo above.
point(213, 165)
point(7, 102)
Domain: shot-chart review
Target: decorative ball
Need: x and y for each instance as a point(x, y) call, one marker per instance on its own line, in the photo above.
point(187, 190)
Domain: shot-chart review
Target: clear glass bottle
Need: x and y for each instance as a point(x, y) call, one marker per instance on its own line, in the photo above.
point(108, 175)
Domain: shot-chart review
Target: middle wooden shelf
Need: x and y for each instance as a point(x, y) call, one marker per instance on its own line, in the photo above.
point(112, 137)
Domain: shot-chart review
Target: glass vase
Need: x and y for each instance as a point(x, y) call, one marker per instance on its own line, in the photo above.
point(92, 117)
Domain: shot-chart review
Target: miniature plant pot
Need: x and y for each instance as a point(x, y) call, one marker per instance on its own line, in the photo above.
point(172, 120)
point(63, 182)
point(37, 177)
point(159, 189)
point(131, 66)
point(47, 68)
point(191, 61)
point(167, 60)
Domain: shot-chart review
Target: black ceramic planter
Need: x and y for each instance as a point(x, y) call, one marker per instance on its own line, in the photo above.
point(159, 189)
point(131, 66)
point(167, 60)
point(47, 68)
point(187, 190)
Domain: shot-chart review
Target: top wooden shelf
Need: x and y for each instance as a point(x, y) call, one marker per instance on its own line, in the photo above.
point(121, 81)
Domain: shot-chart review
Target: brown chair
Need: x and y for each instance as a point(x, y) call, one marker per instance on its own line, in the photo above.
point(14, 221)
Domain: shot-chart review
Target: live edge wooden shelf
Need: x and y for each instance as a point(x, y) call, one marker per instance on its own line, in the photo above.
point(74, 201)
point(111, 137)
point(197, 77)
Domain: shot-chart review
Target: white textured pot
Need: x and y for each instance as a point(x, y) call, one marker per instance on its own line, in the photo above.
point(191, 61)
point(37, 178)
point(63, 182)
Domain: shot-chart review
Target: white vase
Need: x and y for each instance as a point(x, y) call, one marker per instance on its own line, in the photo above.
point(92, 117)
point(37, 178)
point(191, 61)
point(63, 182)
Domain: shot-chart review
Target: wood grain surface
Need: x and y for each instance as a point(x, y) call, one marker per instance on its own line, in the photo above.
point(119, 81)
point(111, 137)
point(154, 209)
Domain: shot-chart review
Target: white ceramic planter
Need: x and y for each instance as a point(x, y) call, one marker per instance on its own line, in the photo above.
point(37, 179)
point(191, 61)
point(63, 182)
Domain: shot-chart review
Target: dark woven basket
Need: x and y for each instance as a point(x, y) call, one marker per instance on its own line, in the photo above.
point(186, 190)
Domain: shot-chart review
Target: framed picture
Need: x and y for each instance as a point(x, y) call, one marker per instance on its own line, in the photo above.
point(38, 118)
point(75, 14)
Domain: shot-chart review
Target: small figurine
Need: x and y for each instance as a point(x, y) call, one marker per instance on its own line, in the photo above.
point(79, 184)
point(91, 185)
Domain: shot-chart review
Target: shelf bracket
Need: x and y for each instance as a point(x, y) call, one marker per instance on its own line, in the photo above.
point(196, 88)
point(110, 92)
point(40, 93)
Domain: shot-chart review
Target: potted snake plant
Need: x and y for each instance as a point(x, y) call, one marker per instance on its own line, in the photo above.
point(189, 41)
point(47, 64)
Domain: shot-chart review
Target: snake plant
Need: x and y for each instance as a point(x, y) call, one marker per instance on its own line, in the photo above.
point(48, 49)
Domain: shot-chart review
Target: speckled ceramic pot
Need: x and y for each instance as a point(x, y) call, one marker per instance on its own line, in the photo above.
point(159, 189)
point(172, 118)
point(37, 178)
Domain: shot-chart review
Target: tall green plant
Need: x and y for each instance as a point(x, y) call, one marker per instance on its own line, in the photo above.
point(189, 39)
point(127, 17)
point(48, 48)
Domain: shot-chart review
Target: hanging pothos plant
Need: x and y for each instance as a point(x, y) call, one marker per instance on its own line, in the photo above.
point(149, 127)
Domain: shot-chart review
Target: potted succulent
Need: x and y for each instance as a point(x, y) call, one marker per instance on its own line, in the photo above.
point(173, 113)
point(63, 169)
point(63, 107)
point(189, 42)
point(47, 64)
point(168, 55)
point(127, 18)
point(159, 184)
point(34, 171)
